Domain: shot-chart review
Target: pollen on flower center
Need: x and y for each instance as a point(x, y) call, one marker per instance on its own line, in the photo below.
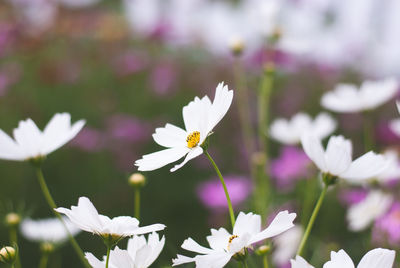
point(231, 238)
point(193, 139)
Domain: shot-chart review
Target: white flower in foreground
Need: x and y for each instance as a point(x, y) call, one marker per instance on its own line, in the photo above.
point(200, 117)
point(362, 214)
point(286, 245)
point(336, 160)
point(376, 258)
point(348, 98)
point(29, 142)
point(86, 217)
point(47, 230)
point(290, 131)
point(139, 254)
point(224, 246)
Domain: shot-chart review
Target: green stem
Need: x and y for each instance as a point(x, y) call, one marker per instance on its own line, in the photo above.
point(243, 106)
point(14, 243)
point(368, 132)
point(43, 260)
point(108, 255)
point(244, 264)
point(312, 220)
point(310, 189)
point(228, 199)
point(263, 106)
point(52, 204)
point(265, 261)
point(137, 203)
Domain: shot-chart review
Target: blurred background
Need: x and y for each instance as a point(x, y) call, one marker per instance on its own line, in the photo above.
point(130, 66)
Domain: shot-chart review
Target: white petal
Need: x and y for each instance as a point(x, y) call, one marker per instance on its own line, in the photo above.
point(193, 153)
point(282, 222)
point(191, 245)
point(170, 136)
point(218, 239)
point(142, 255)
point(156, 245)
point(220, 106)
point(180, 259)
point(394, 125)
point(148, 229)
point(286, 245)
point(247, 223)
point(214, 260)
point(344, 98)
point(375, 93)
point(29, 138)
point(339, 259)
point(120, 258)
point(378, 258)
point(195, 114)
point(93, 261)
point(338, 155)
point(362, 214)
point(299, 262)
point(312, 146)
point(323, 125)
point(365, 167)
point(161, 158)
point(9, 150)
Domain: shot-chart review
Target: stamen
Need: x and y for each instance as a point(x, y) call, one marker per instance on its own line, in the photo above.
point(193, 139)
point(231, 239)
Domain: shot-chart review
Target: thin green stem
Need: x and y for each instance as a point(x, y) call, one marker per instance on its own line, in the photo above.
point(52, 204)
point(368, 132)
point(108, 256)
point(243, 106)
point(312, 220)
point(245, 264)
point(265, 261)
point(137, 202)
point(228, 199)
point(14, 243)
point(44, 260)
point(263, 106)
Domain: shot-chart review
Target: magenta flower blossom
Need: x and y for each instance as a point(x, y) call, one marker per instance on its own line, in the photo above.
point(129, 63)
point(162, 79)
point(291, 166)
point(89, 140)
point(387, 227)
point(125, 128)
point(352, 197)
point(211, 193)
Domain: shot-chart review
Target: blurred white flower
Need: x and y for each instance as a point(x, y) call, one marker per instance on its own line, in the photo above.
point(290, 131)
point(346, 98)
point(336, 160)
point(286, 245)
point(30, 143)
point(393, 170)
point(139, 254)
point(395, 124)
point(376, 258)
point(200, 117)
point(86, 217)
point(47, 230)
point(362, 214)
point(247, 231)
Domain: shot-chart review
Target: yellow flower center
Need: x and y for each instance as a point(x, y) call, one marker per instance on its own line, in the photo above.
point(231, 239)
point(193, 139)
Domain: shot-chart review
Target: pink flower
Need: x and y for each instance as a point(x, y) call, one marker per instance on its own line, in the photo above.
point(163, 78)
point(211, 193)
point(351, 197)
point(125, 128)
point(387, 228)
point(89, 140)
point(291, 166)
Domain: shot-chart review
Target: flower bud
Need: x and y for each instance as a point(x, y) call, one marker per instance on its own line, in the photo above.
point(47, 247)
point(262, 250)
point(258, 158)
point(137, 180)
point(13, 219)
point(236, 46)
point(8, 254)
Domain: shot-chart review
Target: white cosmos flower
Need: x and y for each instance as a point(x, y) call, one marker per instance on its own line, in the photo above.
point(393, 169)
point(286, 245)
point(200, 117)
point(247, 231)
point(347, 98)
point(376, 258)
point(47, 230)
point(290, 131)
point(29, 142)
point(336, 160)
point(362, 214)
point(139, 254)
point(86, 217)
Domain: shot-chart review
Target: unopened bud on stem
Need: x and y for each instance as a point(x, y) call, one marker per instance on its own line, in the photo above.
point(8, 254)
point(13, 219)
point(137, 180)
